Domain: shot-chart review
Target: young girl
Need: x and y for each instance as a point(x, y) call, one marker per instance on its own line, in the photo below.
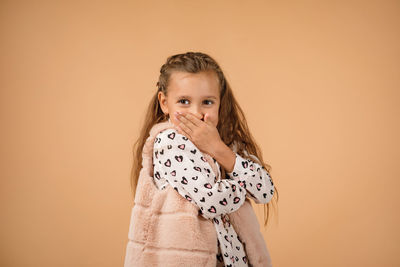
point(203, 126)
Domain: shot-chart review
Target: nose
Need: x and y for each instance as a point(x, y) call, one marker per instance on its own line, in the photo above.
point(198, 114)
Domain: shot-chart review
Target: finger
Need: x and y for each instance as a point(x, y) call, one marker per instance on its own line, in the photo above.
point(206, 118)
point(182, 131)
point(178, 118)
point(182, 124)
point(185, 128)
point(187, 122)
point(193, 119)
point(178, 128)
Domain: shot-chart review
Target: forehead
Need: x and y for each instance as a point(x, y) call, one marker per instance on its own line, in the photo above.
point(194, 84)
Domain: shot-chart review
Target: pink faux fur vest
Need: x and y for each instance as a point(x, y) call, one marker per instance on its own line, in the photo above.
point(167, 230)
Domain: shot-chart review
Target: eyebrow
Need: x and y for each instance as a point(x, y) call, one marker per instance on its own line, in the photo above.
point(186, 96)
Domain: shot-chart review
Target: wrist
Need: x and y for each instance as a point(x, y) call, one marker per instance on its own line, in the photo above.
point(225, 156)
point(218, 150)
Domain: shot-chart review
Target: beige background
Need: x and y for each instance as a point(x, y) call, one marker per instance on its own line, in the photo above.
point(319, 82)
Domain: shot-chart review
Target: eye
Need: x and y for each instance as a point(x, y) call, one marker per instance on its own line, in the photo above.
point(180, 100)
point(210, 101)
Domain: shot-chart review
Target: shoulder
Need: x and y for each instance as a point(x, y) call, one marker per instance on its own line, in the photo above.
point(172, 137)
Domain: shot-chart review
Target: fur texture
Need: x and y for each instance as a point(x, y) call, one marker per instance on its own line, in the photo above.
point(167, 230)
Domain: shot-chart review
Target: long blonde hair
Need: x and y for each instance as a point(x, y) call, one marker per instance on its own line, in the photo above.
point(232, 125)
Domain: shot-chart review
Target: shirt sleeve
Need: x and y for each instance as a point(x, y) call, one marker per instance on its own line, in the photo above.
point(254, 177)
point(185, 168)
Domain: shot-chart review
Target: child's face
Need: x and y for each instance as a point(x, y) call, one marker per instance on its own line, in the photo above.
point(196, 93)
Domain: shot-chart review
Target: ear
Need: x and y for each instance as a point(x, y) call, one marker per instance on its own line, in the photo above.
point(162, 99)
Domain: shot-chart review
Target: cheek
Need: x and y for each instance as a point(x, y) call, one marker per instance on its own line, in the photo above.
point(214, 118)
